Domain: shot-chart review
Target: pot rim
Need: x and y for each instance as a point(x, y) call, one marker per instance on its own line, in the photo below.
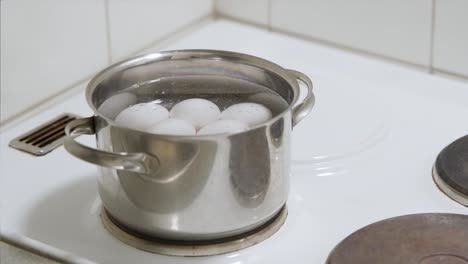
point(192, 54)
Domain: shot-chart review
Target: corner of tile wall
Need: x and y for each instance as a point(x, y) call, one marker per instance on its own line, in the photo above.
point(50, 46)
point(250, 11)
point(46, 47)
point(432, 34)
point(395, 29)
point(133, 25)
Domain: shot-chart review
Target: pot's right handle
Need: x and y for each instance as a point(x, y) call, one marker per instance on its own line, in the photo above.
point(134, 162)
point(302, 109)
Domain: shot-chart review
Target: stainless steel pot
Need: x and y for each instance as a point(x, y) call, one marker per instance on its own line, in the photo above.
point(190, 187)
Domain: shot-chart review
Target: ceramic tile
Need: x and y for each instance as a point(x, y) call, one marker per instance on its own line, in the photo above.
point(451, 36)
point(397, 29)
point(136, 24)
point(255, 11)
point(47, 46)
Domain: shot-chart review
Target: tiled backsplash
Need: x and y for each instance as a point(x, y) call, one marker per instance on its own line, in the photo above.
point(138, 23)
point(398, 29)
point(429, 33)
point(451, 36)
point(48, 46)
point(256, 11)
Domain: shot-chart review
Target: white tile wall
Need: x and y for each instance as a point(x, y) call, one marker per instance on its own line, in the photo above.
point(50, 45)
point(451, 36)
point(399, 29)
point(46, 46)
point(135, 24)
point(253, 11)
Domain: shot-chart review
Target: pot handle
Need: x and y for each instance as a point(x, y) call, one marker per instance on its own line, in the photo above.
point(302, 109)
point(134, 162)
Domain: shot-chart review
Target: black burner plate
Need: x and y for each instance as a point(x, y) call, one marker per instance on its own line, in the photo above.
point(410, 239)
point(452, 165)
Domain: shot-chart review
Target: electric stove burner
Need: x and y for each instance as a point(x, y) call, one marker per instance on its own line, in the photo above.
point(193, 248)
point(410, 239)
point(450, 171)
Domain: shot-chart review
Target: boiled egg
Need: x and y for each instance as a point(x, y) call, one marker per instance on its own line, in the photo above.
point(112, 106)
point(199, 112)
point(173, 127)
point(223, 127)
point(142, 116)
point(250, 113)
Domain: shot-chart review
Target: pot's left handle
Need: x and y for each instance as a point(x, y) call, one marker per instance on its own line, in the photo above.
point(134, 162)
point(302, 109)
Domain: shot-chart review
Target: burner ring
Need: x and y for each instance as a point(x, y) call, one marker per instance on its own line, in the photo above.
point(450, 171)
point(447, 189)
point(192, 248)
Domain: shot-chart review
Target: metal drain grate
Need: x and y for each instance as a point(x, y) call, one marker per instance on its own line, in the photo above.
point(45, 138)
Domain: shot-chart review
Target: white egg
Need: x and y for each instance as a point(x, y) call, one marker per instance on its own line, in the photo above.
point(198, 112)
point(223, 127)
point(250, 113)
point(173, 127)
point(114, 104)
point(142, 116)
point(275, 102)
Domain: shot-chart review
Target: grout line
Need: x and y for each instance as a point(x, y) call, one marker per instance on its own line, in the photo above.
point(214, 8)
point(108, 32)
point(269, 15)
point(431, 45)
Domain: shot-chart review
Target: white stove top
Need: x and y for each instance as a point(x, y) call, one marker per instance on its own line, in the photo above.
point(364, 154)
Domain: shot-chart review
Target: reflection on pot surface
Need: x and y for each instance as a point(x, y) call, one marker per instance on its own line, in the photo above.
point(197, 187)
